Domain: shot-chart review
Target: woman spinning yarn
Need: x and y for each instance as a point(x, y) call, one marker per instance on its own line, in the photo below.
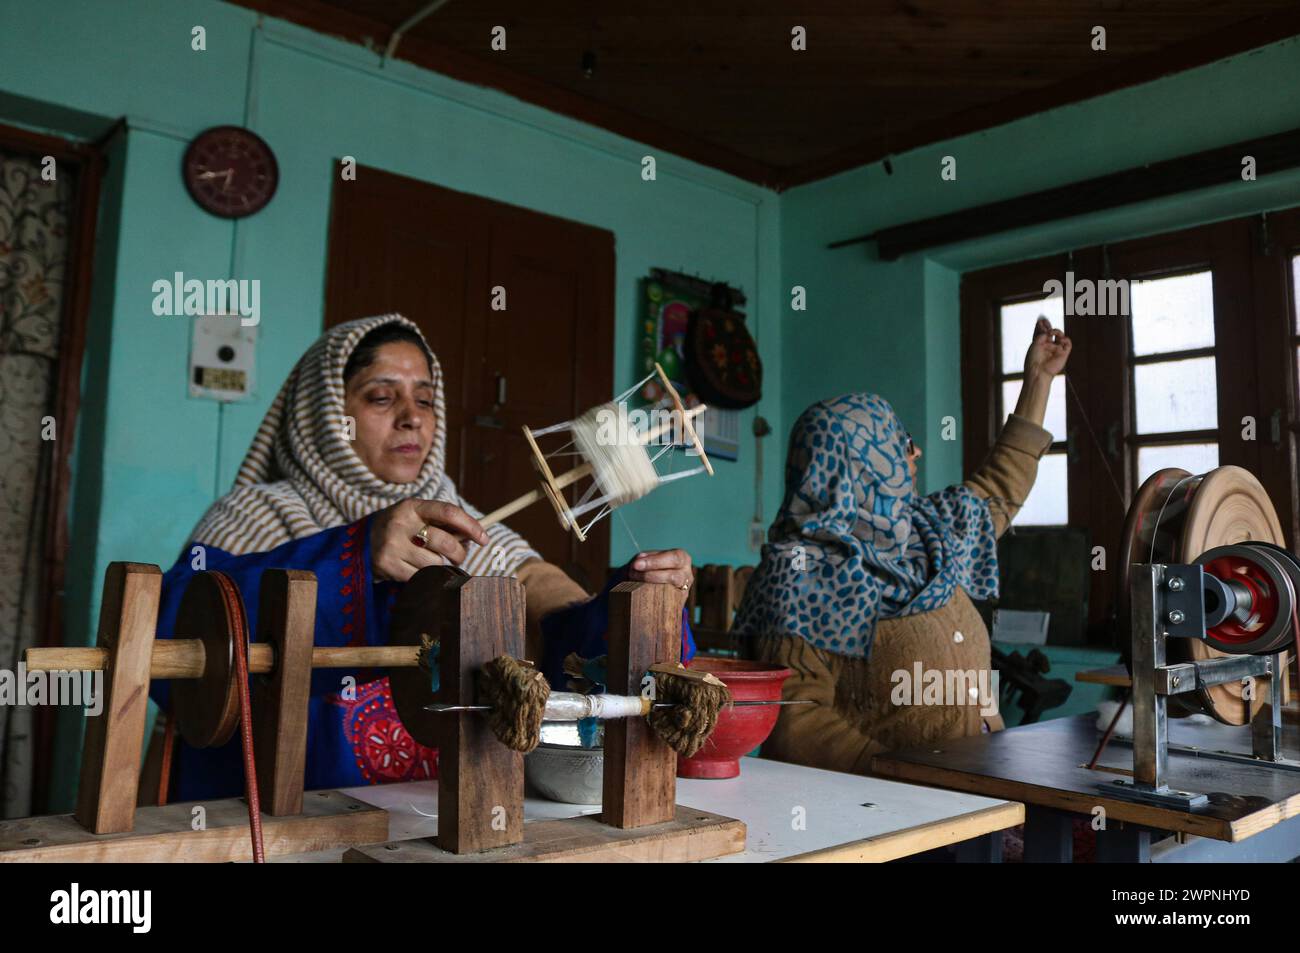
point(365, 510)
point(862, 578)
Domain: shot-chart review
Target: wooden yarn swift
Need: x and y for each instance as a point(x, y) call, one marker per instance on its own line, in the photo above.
point(552, 486)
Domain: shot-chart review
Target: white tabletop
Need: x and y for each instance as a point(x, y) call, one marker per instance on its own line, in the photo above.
point(789, 811)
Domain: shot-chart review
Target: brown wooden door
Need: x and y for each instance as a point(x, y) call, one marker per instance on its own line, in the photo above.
point(398, 244)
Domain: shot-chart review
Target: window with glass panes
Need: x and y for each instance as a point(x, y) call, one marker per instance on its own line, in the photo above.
point(1175, 412)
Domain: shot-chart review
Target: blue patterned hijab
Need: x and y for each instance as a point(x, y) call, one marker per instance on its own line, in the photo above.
point(854, 543)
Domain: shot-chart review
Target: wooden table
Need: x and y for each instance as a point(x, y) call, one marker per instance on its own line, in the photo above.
point(792, 813)
point(1045, 766)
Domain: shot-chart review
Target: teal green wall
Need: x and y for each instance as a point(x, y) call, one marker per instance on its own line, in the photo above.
point(150, 459)
point(892, 327)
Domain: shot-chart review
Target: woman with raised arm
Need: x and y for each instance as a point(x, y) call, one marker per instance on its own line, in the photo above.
point(865, 585)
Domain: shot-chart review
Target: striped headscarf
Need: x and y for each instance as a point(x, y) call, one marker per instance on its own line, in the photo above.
point(302, 475)
point(853, 543)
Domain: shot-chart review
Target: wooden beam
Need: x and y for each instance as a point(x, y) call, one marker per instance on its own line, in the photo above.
point(1200, 170)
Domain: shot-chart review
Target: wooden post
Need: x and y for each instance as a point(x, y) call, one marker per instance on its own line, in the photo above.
point(716, 595)
point(110, 760)
point(286, 619)
point(480, 780)
point(645, 628)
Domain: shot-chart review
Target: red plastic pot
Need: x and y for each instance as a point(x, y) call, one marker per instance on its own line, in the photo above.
point(739, 730)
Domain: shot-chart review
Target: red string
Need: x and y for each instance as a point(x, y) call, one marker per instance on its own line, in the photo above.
point(169, 742)
point(250, 762)
point(1110, 730)
point(236, 611)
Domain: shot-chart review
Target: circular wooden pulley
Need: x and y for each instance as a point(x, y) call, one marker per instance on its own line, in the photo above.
point(207, 707)
point(1176, 517)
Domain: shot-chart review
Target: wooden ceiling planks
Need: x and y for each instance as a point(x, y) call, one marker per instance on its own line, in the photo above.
point(719, 83)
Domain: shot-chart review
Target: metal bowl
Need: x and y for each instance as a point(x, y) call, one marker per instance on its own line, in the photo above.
point(560, 769)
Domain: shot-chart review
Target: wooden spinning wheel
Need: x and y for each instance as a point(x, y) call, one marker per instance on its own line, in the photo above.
point(1175, 517)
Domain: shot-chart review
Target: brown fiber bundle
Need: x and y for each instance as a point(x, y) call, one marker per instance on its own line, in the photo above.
point(517, 693)
point(696, 697)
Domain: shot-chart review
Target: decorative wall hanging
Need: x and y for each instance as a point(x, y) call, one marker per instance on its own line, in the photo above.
point(679, 308)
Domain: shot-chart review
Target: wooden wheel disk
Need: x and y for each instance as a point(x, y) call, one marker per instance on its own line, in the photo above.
point(1153, 533)
point(207, 708)
point(1152, 505)
point(1230, 507)
point(411, 686)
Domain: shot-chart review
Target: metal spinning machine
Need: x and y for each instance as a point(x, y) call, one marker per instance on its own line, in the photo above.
point(1211, 599)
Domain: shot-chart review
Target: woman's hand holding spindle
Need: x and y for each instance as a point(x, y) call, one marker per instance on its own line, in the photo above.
point(671, 566)
point(412, 534)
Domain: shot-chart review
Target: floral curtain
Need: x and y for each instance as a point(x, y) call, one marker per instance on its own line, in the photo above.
point(33, 257)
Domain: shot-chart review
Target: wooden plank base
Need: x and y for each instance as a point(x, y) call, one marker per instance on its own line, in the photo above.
point(690, 835)
point(164, 834)
point(1046, 764)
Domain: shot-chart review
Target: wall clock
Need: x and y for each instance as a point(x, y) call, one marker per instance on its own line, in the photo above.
point(230, 171)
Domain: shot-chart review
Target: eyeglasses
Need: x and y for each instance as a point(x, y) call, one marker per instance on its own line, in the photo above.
point(911, 445)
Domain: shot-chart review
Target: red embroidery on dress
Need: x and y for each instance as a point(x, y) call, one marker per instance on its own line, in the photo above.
point(354, 586)
point(384, 751)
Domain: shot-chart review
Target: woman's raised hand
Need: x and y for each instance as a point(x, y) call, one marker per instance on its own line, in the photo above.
point(1045, 359)
point(412, 534)
point(672, 566)
point(1048, 352)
